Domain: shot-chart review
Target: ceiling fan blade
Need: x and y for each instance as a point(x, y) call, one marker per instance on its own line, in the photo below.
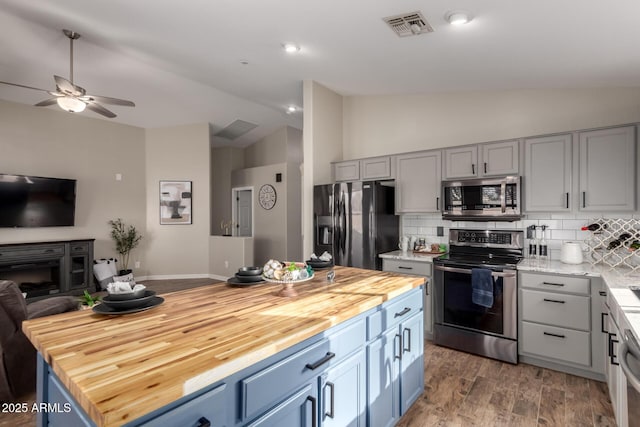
point(58, 94)
point(97, 108)
point(107, 100)
point(66, 86)
point(26, 87)
point(46, 102)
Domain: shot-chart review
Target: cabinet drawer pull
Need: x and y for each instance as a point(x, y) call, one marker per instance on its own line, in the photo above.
point(485, 167)
point(584, 199)
point(553, 284)
point(405, 268)
point(331, 412)
point(602, 323)
point(314, 411)
point(406, 340)
point(554, 335)
point(403, 312)
point(437, 203)
point(203, 422)
point(602, 293)
point(567, 200)
point(320, 362)
point(557, 301)
point(473, 169)
point(48, 251)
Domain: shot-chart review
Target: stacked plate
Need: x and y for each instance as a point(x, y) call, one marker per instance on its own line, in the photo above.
point(246, 276)
point(318, 264)
point(128, 303)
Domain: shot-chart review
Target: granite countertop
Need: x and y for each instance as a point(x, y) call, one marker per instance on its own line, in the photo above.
point(411, 256)
point(119, 368)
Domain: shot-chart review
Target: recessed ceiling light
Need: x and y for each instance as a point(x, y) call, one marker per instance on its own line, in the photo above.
point(458, 17)
point(290, 47)
point(291, 109)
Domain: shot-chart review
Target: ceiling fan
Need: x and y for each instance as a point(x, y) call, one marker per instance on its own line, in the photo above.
point(71, 97)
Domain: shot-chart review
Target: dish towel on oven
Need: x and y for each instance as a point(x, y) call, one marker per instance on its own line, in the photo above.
point(482, 287)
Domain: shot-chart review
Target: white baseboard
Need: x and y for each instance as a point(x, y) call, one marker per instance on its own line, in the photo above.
point(179, 276)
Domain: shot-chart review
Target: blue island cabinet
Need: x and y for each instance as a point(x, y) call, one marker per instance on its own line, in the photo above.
point(395, 360)
point(365, 371)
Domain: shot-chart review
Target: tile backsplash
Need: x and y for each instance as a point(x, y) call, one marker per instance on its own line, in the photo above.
point(560, 227)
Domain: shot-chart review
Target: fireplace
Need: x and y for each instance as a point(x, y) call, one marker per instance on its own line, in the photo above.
point(52, 268)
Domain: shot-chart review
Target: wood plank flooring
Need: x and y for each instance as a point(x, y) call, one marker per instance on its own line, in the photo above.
point(466, 390)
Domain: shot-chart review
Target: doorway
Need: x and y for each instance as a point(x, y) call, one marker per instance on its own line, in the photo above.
point(242, 202)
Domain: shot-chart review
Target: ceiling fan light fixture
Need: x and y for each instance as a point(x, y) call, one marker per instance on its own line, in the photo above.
point(458, 17)
point(71, 104)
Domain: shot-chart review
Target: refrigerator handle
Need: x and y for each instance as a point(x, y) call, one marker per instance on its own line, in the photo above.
point(343, 231)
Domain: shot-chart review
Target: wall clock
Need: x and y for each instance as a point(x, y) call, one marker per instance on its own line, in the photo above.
point(267, 196)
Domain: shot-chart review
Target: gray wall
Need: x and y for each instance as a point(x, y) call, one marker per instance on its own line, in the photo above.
point(224, 160)
point(175, 154)
point(52, 143)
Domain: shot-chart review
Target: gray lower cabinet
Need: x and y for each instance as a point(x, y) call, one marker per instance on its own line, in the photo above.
point(547, 174)
point(559, 323)
point(365, 371)
point(607, 169)
point(419, 268)
point(418, 177)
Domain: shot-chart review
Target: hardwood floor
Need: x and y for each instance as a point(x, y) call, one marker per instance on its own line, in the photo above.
point(466, 390)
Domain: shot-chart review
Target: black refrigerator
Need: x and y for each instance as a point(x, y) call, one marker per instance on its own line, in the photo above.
point(355, 222)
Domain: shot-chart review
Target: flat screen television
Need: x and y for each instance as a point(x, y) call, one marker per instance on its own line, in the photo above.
point(33, 201)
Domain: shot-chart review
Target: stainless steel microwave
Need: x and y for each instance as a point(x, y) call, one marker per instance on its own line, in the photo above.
point(487, 199)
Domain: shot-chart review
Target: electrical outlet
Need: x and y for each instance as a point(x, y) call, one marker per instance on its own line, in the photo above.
point(226, 264)
point(440, 231)
point(137, 264)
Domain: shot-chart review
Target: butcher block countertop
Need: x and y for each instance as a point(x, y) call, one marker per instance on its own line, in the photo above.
point(119, 368)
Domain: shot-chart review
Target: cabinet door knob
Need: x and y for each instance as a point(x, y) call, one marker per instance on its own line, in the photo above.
point(203, 422)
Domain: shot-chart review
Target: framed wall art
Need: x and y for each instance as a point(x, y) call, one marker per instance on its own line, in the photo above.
point(175, 202)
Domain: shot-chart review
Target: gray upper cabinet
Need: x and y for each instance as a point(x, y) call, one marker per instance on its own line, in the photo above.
point(499, 158)
point(488, 159)
point(346, 171)
point(547, 174)
point(364, 169)
point(607, 169)
point(461, 162)
point(376, 168)
point(418, 182)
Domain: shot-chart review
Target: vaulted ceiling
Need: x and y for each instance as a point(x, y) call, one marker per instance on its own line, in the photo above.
point(219, 61)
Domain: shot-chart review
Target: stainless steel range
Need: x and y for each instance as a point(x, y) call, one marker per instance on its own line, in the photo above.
point(475, 293)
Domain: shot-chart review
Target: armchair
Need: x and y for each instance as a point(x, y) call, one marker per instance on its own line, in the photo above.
point(17, 354)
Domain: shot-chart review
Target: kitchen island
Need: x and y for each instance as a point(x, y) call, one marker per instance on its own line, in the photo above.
point(238, 351)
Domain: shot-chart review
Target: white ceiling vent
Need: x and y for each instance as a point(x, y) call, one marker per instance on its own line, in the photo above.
point(235, 129)
point(408, 24)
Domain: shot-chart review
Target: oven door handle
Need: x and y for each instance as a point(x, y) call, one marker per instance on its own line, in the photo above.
point(509, 273)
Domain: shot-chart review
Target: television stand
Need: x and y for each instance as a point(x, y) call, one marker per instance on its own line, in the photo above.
point(43, 269)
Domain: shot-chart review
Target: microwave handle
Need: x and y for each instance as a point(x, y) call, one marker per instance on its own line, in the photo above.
point(467, 271)
point(503, 196)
